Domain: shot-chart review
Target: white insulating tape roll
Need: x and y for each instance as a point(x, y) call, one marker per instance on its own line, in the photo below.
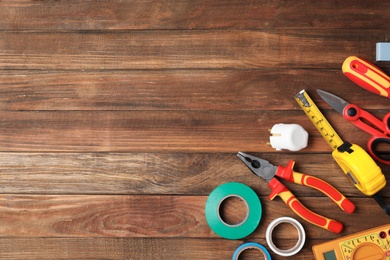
point(251, 245)
point(301, 236)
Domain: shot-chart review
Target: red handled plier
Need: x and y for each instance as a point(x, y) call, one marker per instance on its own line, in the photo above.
point(269, 172)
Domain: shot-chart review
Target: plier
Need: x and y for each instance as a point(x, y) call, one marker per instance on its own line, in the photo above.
point(269, 173)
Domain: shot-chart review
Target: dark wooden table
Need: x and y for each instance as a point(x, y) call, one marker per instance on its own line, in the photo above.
point(118, 118)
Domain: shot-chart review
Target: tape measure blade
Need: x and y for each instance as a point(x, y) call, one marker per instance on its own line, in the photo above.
point(318, 119)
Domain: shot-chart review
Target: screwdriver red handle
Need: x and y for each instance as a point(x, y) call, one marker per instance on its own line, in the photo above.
point(278, 189)
point(316, 183)
point(367, 76)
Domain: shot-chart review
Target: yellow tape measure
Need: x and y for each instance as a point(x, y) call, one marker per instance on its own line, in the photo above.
point(356, 163)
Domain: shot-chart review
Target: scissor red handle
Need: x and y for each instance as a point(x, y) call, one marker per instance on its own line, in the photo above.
point(316, 183)
point(354, 114)
point(278, 189)
point(373, 144)
point(380, 130)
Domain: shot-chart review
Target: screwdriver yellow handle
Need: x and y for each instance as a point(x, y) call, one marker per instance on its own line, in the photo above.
point(367, 76)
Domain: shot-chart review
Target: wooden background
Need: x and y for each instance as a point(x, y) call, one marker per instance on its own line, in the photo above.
point(118, 118)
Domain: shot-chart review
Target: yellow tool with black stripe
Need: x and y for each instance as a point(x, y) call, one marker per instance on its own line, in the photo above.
point(356, 163)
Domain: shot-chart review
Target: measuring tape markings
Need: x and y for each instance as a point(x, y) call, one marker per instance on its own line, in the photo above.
point(251, 245)
point(359, 167)
point(301, 236)
point(319, 121)
point(253, 214)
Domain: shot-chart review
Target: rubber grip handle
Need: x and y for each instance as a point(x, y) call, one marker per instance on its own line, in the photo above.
point(308, 215)
point(280, 190)
point(367, 76)
point(327, 189)
point(287, 173)
point(366, 121)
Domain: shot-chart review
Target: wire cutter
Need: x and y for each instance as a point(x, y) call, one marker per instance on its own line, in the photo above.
point(378, 129)
point(269, 172)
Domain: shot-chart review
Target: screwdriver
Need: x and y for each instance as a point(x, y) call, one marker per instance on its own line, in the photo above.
point(367, 76)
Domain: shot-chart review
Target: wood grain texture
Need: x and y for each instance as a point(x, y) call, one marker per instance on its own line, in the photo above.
point(199, 14)
point(174, 90)
point(118, 118)
point(158, 131)
point(130, 248)
point(152, 173)
point(187, 49)
point(149, 216)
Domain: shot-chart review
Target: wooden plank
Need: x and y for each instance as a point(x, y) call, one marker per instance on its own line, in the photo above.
point(120, 117)
point(116, 248)
point(156, 216)
point(158, 131)
point(136, 248)
point(154, 173)
point(172, 49)
point(184, 14)
point(237, 90)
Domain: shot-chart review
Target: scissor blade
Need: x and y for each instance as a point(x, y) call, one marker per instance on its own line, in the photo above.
point(334, 101)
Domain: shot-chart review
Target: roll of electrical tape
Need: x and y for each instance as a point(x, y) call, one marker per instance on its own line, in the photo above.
point(251, 245)
point(253, 212)
point(301, 236)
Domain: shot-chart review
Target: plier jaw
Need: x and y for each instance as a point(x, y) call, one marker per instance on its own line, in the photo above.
point(258, 166)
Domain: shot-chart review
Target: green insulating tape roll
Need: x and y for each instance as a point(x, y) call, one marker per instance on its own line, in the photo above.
point(253, 214)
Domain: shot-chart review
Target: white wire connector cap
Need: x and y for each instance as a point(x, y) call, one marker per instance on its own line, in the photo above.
point(288, 136)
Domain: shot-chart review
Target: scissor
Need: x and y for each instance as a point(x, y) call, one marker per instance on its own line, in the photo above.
point(268, 172)
point(379, 129)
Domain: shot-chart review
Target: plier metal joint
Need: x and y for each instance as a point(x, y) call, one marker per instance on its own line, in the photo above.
point(269, 172)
